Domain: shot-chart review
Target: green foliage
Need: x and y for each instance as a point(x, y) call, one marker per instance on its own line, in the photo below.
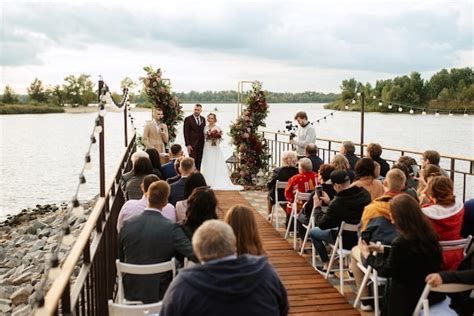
point(78, 90)
point(9, 95)
point(158, 93)
point(446, 90)
point(36, 91)
point(28, 109)
point(251, 148)
point(55, 96)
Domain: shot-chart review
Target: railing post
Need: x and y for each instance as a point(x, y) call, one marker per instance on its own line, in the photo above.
point(101, 144)
point(125, 123)
point(362, 111)
point(452, 169)
point(329, 151)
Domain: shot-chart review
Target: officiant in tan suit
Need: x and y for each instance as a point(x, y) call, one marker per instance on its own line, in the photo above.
point(155, 134)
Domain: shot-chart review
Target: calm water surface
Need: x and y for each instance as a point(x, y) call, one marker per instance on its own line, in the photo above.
point(42, 155)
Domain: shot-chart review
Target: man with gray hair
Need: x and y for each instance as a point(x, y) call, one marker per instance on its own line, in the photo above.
point(224, 284)
point(348, 150)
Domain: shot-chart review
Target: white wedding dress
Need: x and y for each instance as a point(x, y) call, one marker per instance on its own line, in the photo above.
point(214, 168)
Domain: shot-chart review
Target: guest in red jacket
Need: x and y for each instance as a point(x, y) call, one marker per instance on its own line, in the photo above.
point(446, 214)
point(305, 181)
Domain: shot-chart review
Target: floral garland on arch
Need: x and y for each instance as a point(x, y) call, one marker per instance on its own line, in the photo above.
point(158, 92)
point(251, 147)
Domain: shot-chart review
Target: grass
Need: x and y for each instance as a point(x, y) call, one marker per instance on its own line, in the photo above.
point(29, 109)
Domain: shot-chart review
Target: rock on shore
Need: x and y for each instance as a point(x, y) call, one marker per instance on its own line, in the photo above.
point(26, 243)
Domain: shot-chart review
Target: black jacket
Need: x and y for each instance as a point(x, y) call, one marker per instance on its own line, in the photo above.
point(316, 161)
point(352, 159)
point(247, 286)
point(407, 267)
point(281, 174)
point(384, 167)
point(145, 239)
point(346, 206)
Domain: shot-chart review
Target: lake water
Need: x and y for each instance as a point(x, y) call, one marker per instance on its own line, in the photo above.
point(42, 155)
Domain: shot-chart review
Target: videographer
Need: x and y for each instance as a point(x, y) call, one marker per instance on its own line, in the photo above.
point(305, 134)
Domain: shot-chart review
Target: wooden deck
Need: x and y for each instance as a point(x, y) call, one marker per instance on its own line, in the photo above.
point(308, 292)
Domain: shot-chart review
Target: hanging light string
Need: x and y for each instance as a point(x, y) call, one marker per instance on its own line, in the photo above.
point(325, 117)
point(111, 97)
point(414, 109)
point(130, 116)
point(65, 237)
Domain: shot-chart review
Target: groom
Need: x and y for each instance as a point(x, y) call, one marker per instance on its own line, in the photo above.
point(194, 134)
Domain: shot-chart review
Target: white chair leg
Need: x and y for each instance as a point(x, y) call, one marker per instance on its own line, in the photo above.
point(331, 261)
point(277, 210)
point(305, 238)
point(426, 307)
point(362, 286)
point(313, 254)
point(289, 225)
point(294, 229)
point(376, 294)
point(341, 269)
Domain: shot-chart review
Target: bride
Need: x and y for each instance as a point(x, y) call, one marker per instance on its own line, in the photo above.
point(213, 165)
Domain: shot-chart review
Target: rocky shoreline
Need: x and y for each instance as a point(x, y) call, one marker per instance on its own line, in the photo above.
point(27, 240)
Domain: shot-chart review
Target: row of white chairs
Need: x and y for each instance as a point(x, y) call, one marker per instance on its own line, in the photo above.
point(344, 256)
point(124, 307)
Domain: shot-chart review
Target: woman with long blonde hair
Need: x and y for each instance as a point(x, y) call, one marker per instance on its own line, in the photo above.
point(242, 220)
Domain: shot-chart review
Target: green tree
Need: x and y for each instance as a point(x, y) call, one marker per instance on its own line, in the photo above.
point(55, 95)
point(128, 83)
point(78, 90)
point(348, 89)
point(445, 96)
point(36, 91)
point(9, 95)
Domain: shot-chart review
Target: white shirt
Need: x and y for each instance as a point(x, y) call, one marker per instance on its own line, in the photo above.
point(306, 135)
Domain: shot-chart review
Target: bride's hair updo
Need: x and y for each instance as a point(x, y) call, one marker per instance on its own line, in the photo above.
point(213, 115)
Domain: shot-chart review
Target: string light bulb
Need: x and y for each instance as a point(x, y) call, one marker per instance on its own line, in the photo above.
point(400, 109)
point(54, 270)
point(465, 113)
point(412, 111)
point(437, 113)
point(353, 101)
point(423, 112)
point(380, 103)
point(88, 163)
point(390, 106)
point(450, 113)
point(82, 183)
point(346, 107)
point(374, 97)
point(40, 309)
point(358, 93)
point(68, 238)
point(97, 128)
point(77, 208)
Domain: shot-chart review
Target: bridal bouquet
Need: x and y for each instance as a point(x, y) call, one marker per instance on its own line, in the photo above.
point(214, 135)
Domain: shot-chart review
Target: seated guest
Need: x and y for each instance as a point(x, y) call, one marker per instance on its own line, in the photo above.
point(224, 284)
point(340, 162)
point(432, 157)
point(305, 181)
point(141, 168)
point(414, 254)
point(365, 178)
point(242, 220)
point(311, 152)
point(374, 151)
point(150, 238)
point(446, 215)
point(177, 163)
point(154, 156)
point(126, 176)
point(289, 160)
point(376, 221)
point(186, 168)
point(408, 190)
point(462, 303)
point(427, 172)
point(195, 180)
point(136, 207)
point(468, 221)
point(348, 150)
point(347, 206)
point(168, 168)
point(408, 161)
point(202, 205)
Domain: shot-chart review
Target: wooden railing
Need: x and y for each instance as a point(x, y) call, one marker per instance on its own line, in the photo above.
point(94, 253)
point(460, 169)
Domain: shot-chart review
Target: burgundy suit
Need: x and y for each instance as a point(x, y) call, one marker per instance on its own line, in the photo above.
point(194, 137)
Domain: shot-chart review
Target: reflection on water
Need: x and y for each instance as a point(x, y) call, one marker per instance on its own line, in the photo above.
point(41, 155)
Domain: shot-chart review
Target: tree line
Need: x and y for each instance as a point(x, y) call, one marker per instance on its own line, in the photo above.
point(447, 89)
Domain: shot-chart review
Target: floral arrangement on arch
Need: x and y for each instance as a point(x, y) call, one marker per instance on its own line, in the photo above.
point(158, 92)
point(250, 145)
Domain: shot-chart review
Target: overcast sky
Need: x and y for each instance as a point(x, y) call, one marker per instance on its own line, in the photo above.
point(211, 45)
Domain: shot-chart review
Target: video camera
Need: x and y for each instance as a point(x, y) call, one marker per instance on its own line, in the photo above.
point(290, 127)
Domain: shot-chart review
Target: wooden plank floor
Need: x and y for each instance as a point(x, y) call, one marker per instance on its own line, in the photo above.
point(308, 292)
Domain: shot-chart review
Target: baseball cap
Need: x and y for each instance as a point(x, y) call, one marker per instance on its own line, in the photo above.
point(338, 177)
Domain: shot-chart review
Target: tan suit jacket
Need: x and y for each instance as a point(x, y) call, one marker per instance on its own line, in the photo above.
point(154, 139)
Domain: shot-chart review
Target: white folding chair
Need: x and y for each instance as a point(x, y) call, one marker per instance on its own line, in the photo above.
point(443, 288)
point(370, 274)
point(134, 310)
point(140, 269)
point(308, 228)
point(188, 263)
point(342, 253)
point(463, 244)
point(276, 207)
point(299, 197)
